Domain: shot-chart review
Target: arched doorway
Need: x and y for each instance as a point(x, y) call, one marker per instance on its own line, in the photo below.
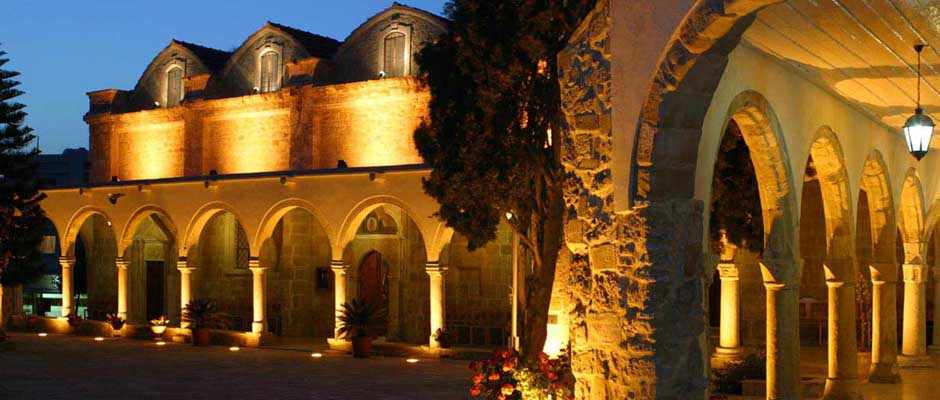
point(94, 274)
point(152, 277)
point(221, 274)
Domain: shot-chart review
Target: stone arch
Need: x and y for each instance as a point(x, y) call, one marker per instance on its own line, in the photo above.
point(276, 212)
point(140, 215)
point(74, 225)
point(763, 136)
point(198, 222)
point(359, 213)
point(829, 162)
point(911, 221)
point(876, 182)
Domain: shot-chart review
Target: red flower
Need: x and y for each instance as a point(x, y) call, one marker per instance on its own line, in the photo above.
point(507, 389)
point(478, 378)
point(509, 365)
point(494, 376)
point(476, 390)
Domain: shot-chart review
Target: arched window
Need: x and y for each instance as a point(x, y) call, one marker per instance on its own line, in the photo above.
point(270, 71)
point(174, 86)
point(395, 55)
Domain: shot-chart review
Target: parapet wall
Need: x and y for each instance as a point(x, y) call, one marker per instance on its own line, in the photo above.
point(364, 124)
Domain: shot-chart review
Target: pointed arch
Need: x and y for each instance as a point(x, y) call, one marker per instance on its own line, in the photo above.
point(354, 219)
point(912, 216)
point(74, 226)
point(876, 182)
point(141, 214)
point(199, 221)
point(277, 211)
point(829, 162)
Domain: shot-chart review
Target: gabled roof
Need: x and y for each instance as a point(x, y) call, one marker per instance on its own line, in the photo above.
point(439, 18)
point(397, 7)
point(213, 59)
point(316, 45)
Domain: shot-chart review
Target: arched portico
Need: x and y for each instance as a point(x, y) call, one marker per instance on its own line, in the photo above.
point(827, 182)
point(914, 272)
point(880, 247)
point(148, 281)
point(89, 250)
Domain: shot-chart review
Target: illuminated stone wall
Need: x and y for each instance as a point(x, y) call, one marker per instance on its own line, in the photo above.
point(363, 123)
point(221, 275)
point(99, 251)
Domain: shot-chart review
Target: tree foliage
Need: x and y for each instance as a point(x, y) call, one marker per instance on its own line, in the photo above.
point(735, 209)
point(492, 138)
point(21, 219)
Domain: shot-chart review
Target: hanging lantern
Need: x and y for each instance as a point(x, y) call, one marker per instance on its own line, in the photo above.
point(918, 130)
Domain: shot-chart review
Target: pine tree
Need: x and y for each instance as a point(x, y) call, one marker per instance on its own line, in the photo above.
point(21, 218)
point(493, 136)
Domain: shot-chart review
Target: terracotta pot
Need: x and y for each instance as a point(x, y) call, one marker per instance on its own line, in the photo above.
point(362, 347)
point(158, 329)
point(201, 337)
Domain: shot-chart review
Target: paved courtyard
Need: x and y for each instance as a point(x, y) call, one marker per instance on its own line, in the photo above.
point(66, 367)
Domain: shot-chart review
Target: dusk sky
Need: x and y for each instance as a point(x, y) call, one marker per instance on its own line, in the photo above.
point(67, 48)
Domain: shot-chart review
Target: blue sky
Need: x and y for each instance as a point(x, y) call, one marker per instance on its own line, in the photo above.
point(65, 48)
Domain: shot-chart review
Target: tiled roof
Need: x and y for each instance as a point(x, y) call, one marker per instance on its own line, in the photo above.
point(316, 45)
point(213, 59)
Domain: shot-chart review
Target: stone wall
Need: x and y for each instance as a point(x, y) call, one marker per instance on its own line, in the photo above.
point(222, 273)
point(363, 123)
point(478, 286)
point(295, 298)
point(97, 255)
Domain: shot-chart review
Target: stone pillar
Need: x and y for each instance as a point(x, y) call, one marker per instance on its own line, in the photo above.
point(842, 376)
point(935, 347)
point(729, 341)
point(914, 341)
point(436, 274)
point(884, 338)
point(339, 292)
point(186, 293)
point(783, 341)
point(258, 294)
point(516, 278)
point(122, 295)
point(67, 263)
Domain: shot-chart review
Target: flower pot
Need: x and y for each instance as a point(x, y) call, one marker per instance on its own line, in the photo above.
point(158, 329)
point(362, 347)
point(201, 337)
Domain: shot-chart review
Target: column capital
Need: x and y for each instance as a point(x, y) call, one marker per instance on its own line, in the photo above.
point(258, 270)
point(338, 266)
point(121, 262)
point(782, 272)
point(67, 261)
point(728, 271)
point(254, 262)
point(434, 268)
point(914, 273)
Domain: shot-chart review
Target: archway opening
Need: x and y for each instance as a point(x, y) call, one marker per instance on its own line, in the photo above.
point(94, 274)
point(299, 282)
point(387, 257)
point(864, 255)
point(813, 239)
point(222, 273)
point(152, 278)
point(479, 290)
point(43, 296)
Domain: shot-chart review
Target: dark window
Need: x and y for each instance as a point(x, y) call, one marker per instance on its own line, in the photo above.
point(270, 72)
point(395, 55)
point(174, 87)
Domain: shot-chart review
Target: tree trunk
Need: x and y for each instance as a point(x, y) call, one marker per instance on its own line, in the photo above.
point(540, 282)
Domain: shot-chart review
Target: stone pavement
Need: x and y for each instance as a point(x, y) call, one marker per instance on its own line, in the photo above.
point(68, 367)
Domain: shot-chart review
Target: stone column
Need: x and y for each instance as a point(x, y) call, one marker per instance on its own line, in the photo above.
point(258, 294)
point(914, 341)
point(339, 292)
point(842, 376)
point(436, 273)
point(783, 343)
point(122, 296)
point(884, 337)
point(67, 263)
point(729, 341)
point(935, 347)
point(516, 277)
point(186, 293)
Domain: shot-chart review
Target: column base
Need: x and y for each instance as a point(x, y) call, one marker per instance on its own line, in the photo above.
point(933, 349)
point(726, 355)
point(884, 373)
point(257, 327)
point(920, 361)
point(841, 389)
point(339, 344)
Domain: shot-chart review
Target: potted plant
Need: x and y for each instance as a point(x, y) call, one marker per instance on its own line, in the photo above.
point(358, 322)
point(444, 338)
point(203, 315)
point(115, 321)
point(158, 326)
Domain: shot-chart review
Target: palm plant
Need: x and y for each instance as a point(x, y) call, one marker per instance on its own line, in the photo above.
point(204, 314)
point(359, 319)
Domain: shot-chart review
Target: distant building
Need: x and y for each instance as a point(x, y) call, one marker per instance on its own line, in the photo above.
point(71, 168)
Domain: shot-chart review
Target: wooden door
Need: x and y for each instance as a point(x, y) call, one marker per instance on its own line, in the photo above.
point(156, 289)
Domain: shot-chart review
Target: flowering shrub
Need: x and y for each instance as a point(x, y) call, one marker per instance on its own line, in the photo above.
point(502, 378)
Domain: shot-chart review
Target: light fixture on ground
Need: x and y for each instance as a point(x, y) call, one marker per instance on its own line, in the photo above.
point(234, 348)
point(161, 343)
point(316, 355)
point(99, 339)
point(43, 334)
point(411, 360)
point(918, 130)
